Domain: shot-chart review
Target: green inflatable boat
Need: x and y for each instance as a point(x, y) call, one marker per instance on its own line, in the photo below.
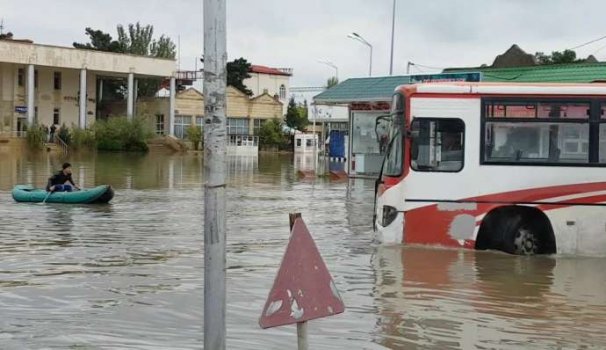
point(99, 194)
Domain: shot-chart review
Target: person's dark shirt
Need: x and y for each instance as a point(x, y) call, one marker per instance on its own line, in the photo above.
point(59, 179)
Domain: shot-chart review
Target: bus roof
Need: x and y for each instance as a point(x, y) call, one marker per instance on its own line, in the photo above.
point(467, 88)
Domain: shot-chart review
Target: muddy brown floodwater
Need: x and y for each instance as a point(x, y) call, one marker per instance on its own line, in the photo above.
point(129, 275)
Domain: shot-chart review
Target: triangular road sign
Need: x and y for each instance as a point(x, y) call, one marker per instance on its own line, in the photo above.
point(303, 289)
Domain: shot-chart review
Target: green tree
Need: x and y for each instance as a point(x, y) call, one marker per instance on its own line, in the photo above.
point(194, 134)
point(296, 116)
point(332, 81)
point(237, 71)
point(100, 41)
point(36, 137)
point(135, 39)
point(557, 57)
point(163, 47)
point(271, 133)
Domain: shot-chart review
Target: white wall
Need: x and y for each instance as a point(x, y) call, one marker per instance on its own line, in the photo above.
point(63, 57)
point(258, 83)
point(46, 97)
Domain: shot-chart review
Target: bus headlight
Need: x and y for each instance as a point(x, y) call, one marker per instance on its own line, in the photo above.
point(389, 215)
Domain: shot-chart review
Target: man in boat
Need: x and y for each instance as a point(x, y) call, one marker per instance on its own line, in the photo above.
point(62, 181)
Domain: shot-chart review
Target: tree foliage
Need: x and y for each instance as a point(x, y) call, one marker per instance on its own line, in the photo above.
point(557, 57)
point(271, 133)
point(296, 115)
point(194, 134)
point(100, 41)
point(238, 70)
point(332, 81)
point(121, 134)
point(134, 39)
point(36, 137)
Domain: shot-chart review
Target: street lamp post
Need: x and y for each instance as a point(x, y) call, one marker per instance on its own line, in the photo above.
point(358, 37)
point(393, 28)
point(330, 64)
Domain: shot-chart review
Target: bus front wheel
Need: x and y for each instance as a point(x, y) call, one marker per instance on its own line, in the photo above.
point(525, 242)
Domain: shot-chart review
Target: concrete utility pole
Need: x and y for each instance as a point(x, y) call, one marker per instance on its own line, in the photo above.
point(215, 147)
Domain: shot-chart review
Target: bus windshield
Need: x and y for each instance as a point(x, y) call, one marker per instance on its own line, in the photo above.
point(394, 159)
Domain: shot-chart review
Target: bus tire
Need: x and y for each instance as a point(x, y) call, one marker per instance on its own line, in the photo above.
point(518, 230)
point(525, 240)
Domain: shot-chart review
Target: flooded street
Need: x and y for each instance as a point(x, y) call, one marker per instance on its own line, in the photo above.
point(129, 275)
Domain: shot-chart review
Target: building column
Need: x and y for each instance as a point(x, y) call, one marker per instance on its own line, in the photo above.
point(171, 116)
point(31, 108)
point(130, 105)
point(100, 91)
point(83, 99)
point(136, 96)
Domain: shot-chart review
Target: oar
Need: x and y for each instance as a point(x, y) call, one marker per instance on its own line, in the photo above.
point(45, 198)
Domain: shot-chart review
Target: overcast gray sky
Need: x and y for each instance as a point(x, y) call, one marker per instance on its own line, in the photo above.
point(289, 33)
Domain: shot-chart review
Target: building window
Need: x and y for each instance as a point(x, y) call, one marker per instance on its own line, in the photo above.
point(237, 126)
point(342, 126)
point(56, 116)
point(21, 77)
point(35, 79)
point(200, 121)
point(159, 124)
point(57, 80)
point(182, 122)
point(282, 92)
point(258, 123)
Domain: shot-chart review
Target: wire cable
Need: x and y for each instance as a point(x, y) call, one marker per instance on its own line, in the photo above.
point(589, 42)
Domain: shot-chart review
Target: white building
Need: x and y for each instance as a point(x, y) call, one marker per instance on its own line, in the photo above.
point(42, 84)
point(273, 81)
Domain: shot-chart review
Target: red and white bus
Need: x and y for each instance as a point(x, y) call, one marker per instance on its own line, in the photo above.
point(513, 167)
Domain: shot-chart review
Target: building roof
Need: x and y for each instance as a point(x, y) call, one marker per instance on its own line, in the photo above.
point(362, 90)
point(271, 71)
point(555, 73)
point(381, 88)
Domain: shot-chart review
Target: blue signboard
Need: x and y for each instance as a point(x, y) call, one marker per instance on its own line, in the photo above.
point(21, 109)
point(445, 77)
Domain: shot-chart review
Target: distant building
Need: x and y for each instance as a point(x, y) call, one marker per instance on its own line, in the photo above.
point(245, 115)
point(59, 85)
point(271, 81)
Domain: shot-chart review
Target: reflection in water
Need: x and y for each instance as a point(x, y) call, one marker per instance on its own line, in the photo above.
point(129, 274)
point(450, 299)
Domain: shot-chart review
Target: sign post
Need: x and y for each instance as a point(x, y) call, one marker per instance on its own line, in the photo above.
point(303, 289)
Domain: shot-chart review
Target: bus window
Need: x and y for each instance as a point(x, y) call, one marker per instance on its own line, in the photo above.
point(394, 159)
point(382, 131)
point(536, 142)
point(438, 144)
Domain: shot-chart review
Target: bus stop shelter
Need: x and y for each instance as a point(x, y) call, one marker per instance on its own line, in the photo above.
point(367, 99)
